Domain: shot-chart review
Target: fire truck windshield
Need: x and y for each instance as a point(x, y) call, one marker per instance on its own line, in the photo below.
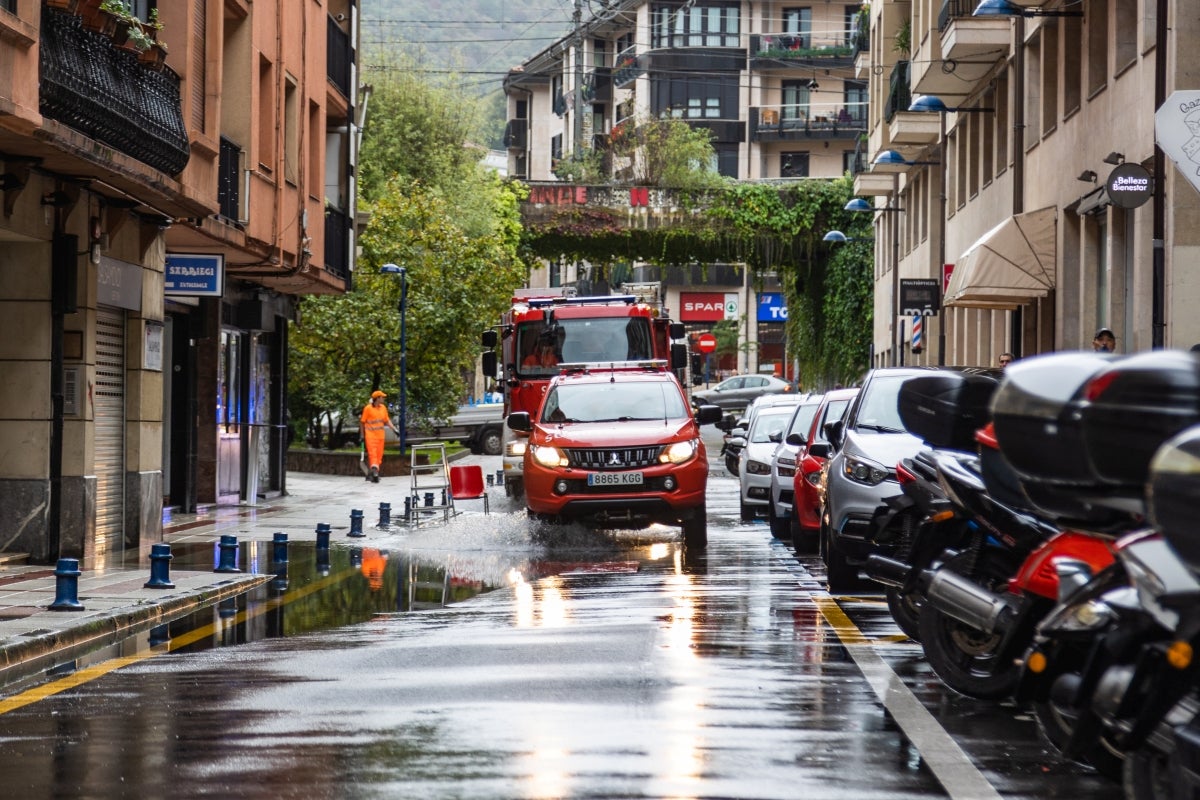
point(590, 340)
point(621, 401)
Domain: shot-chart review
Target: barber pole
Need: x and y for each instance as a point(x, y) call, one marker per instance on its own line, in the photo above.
point(918, 330)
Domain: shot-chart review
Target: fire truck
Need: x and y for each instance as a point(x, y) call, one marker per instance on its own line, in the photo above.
point(592, 330)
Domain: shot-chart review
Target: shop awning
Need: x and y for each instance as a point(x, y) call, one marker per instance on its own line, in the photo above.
point(1011, 265)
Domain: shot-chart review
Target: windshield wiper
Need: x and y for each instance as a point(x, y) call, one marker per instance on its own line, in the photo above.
point(880, 428)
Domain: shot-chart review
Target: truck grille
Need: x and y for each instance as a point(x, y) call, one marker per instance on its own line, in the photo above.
point(615, 458)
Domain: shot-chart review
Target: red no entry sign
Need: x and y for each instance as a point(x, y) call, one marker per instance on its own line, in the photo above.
point(706, 343)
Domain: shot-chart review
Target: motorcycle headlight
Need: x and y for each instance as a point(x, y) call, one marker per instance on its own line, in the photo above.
point(865, 471)
point(758, 468)
point(679, 452)
point(515, 448)
point(1089, 616)
point(548, 456)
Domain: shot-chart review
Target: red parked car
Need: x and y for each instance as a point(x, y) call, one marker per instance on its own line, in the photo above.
point(806, 503)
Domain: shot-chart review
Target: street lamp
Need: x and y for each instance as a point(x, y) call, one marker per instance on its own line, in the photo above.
point(1007, 8)
point(393, 269)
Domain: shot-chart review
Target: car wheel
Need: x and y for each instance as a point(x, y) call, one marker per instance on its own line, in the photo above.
point(695, 529)
point(779, 526)
point(803, 542)
point(747, 513)
point(839, 575)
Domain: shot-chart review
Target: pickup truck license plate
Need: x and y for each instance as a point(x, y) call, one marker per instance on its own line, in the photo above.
point(614, 479)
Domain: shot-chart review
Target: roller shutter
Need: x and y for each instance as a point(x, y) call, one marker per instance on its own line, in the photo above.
point(109, 408)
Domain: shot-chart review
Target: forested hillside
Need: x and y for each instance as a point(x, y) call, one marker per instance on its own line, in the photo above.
point(468, 43)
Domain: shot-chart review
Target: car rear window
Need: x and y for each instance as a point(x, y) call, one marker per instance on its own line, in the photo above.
point(769, 423)
point(614, 402)
point(803, 419)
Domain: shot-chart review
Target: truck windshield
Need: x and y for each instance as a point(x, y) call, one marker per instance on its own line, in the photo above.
point(614, 402)
point(596, 339)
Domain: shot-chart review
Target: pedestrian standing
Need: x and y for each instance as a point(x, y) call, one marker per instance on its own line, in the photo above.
point(375, 417)
point(1005, 359)
point(1105, 341)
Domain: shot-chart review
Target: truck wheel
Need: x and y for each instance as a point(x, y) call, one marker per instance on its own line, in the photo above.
point(695, 529)
point(491, 442)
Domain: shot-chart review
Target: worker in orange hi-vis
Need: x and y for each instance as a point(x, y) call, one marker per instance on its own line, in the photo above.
point(374, 562)
point(375, 417)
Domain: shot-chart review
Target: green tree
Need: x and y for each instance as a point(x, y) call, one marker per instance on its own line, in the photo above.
point(667, 153)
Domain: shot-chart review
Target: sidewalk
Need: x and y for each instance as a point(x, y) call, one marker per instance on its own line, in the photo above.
point(118, 605)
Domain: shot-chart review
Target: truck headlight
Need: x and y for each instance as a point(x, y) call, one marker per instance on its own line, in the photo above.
point(861, 470)
point(678, 452)
point(515, 448)
point(548, 456)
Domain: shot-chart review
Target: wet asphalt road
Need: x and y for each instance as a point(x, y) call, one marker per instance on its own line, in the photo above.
point(606, 666)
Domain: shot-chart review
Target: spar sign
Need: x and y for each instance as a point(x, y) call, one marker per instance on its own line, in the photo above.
point(708, 306)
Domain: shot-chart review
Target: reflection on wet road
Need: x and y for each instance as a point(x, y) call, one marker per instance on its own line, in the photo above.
point(600, 666)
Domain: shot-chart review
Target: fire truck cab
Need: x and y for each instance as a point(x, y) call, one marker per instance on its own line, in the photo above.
point(539, 333)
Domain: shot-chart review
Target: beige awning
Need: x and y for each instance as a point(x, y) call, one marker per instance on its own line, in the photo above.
point(1011, 265)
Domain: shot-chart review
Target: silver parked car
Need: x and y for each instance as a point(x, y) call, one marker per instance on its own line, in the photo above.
point(739, 391)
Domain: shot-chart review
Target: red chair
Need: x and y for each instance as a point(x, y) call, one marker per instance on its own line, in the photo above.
point(466, 483)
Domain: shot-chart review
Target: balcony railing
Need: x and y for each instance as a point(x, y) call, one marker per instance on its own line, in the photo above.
point(803, 48)
point(954, 9)
point(516, 135)
point(824, 121)
point(103, 92)
point(899, 93)
point(626, 67)
point(337, 53)
point(337, 242)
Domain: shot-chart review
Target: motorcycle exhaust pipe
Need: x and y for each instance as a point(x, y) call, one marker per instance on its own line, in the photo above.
point(887, 571)
point(966, 601)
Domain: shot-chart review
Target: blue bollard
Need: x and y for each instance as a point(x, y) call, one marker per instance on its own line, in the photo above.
point(356, 518)
point(279, 552)
point(429, 499)
point(227, 608)
point(408, 509)
point(323, 535)
point(356, 557)
point(227, 562)
point(385, 515)
point(66, 586)
point(160, 567)
point(499, 477)
point(279, 584)
point(323, 562)
point(491, 480)
point(160, 635)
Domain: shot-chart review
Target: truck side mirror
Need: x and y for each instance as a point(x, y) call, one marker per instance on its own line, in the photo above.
point(489, 364)
point(489, 339)
point(679, 356)
point(676, 330)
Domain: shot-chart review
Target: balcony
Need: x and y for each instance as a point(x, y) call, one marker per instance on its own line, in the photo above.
point(338, 57)
point(802, 50)
point(516, 134)
point(971, 47)
point(337, 243)
point(899, 95)
point(914, 127)
point(627, 67)
point(789, 123)
point(103, 92)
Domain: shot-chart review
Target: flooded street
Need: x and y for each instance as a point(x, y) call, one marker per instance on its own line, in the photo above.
point(485, 658)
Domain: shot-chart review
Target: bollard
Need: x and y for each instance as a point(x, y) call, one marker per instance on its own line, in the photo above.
point(279, 584)
point(356, 518)
point(385, 515)
point(279, 552)
point(323, 562)
point(160, 567)
point(160, 635)
point(66, 586)
point(408, 509)
point(429, 499)
point(322, 535)
point(443, 497)
point(491, 480)
point(227, 608)
point(356, 557)
point(228, 558)
point(499, 477)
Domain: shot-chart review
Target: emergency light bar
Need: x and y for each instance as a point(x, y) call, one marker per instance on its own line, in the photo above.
point(541, 302)
point(652, 365)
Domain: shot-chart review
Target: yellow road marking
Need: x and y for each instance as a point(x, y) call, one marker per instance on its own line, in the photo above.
point(87, 674)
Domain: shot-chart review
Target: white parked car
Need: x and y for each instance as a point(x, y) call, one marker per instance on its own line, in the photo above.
point(754, 462)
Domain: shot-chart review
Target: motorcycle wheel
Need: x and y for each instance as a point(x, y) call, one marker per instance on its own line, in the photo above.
point(1147, 776)
point(965, 658)
point(906, 611)
point(1056, 725)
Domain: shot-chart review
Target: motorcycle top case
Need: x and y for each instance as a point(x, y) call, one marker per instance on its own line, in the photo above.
point(1036, 416)
point(946, 407)
point(1135, 405)
point(1172, 489)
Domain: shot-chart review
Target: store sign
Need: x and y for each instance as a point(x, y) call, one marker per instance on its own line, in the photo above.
point(772, 307)
point(1129, 186)
point(920, 297)
point(732, 305)
point(198, 275)
point(1177, 132)
point(701, 307)
point(119, 284)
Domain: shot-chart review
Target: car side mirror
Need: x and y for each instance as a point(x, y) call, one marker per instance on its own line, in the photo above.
point(736, 442)
point(776, 437)
point(795, 439)
point(709, 415)
point(834, 432)
point(820, 450)
point(520, 421)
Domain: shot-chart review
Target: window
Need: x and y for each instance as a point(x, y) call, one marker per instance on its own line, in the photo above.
point(1033, 92)
point(793, 165)
point(599, 53)
point(798, 21)
point(291, 130)
point(708, 25)
point(704, 97)
point(987, 149)
point(1126, 30)
point(556, 147)
point(1049, 75)
point(855, 94)
point(849, 24)
point(1097, 28)
point(851, 162)
point(266, 114)
point(522, 110)
point(558, 102)
point(1001, 128)
point(795, 101)
point(1072, 59)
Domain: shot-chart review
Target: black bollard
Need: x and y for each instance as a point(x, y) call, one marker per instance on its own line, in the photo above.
point(227, 562)
point(279, 552)
point(356, 518)
point(160, 567)
point(323, 535)
point(443, 497)
point(491, 480)
point(499, 477)
point(66, 586)
point(429, 499)
point(408, 509)
point(385, 515)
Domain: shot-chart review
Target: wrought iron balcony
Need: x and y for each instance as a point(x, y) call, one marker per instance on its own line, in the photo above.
point(791, 50)
point(338, 54)
point(337, 242)
point(103, 92)
point(899, 94)
point(804, 121)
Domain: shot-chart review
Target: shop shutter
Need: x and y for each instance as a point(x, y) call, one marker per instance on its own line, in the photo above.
point(109, 408)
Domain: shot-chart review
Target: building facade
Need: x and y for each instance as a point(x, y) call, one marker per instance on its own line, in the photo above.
point(1010, 133)
point(162, 217)
point(773, 82)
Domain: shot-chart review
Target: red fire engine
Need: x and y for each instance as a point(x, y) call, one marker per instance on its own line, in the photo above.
point(542, 331)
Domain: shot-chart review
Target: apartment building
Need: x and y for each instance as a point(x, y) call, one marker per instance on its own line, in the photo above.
point(164, 209)
point(773, 82)
point(1003, 138)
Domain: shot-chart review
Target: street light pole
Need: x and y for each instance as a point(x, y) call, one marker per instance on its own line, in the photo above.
point(393, 269)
